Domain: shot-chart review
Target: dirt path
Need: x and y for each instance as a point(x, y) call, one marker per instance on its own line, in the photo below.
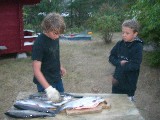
point(88, 70)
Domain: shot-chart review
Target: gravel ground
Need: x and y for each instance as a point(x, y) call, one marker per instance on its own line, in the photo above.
point(88, 68)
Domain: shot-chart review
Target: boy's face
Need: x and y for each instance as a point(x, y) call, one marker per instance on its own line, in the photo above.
point(53, 35)
point(128, 34)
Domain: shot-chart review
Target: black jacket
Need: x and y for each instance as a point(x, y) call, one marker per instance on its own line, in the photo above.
point(127, 75)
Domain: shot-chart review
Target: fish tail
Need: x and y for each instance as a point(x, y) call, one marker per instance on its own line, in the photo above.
point(58, 110)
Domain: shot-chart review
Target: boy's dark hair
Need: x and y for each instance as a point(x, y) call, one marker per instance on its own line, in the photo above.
point(133, 24)
point(53, 22)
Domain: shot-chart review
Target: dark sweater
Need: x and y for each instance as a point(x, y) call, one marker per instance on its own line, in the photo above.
point(127, 75)
point(46, 51)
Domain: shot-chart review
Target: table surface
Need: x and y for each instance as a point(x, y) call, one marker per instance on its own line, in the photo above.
point(121, 109)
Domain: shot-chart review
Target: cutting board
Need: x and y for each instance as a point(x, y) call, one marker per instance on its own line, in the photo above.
point(98, 109)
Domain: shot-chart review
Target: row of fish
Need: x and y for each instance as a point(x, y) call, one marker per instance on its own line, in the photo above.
point(37, 105)
point(31, 108)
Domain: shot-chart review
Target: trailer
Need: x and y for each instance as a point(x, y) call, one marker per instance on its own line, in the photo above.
point(13, 37)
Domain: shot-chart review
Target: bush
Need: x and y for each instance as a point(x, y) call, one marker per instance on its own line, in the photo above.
point(152, 58)
point(75, 30)
point(105, 24)
point(147, 13)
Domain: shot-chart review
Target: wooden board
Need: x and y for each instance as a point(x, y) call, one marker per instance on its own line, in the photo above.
point(84, 111)
point(98, 109)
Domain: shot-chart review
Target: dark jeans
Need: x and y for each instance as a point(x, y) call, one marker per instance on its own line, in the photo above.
point(58, 85)
point(118, 90)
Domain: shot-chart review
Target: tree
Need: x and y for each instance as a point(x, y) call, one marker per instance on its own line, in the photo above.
point(108, 18)
point(147, 13)
point(34, 14)
point(81, 10)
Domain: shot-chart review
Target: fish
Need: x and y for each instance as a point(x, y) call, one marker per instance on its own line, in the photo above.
point(85, 102)
point(65, 100)
point(33, 107)
point(27, 114)
point(66, 97)
point(40, 96)
point(35, 102)
point(71, 95)
point(43, 96)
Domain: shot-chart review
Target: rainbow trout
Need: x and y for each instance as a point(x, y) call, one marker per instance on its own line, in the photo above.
point(27, 114)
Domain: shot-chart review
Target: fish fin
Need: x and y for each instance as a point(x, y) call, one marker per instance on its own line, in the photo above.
point(58, 110)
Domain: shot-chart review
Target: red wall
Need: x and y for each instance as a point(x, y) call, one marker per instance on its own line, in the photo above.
point(11, 25)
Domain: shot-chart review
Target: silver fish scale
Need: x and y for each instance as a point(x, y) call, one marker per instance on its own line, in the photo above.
point(35, 102)
point(27, 114)
point(87, 102)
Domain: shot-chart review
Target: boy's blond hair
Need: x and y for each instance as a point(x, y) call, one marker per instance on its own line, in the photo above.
point(133, 24)
point(53, 22)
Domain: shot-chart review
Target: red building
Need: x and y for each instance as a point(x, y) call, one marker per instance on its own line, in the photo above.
point(13, 38)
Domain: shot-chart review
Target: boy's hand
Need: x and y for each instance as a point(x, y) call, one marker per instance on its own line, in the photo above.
point(123, 62)
point(114, 82)
point(53, 94)
point(63, 71)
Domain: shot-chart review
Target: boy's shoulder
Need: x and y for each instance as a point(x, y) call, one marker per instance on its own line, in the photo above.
point(137, 44)
point(42, 37)
point(119, 42)
point(138, 40)
point(39, 40)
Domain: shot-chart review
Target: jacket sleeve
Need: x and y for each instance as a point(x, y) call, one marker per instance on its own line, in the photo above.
point(113, 58)
point(135, 61)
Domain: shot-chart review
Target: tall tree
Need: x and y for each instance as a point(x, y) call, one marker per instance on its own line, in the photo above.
point(147, 13)
point(33, 14)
